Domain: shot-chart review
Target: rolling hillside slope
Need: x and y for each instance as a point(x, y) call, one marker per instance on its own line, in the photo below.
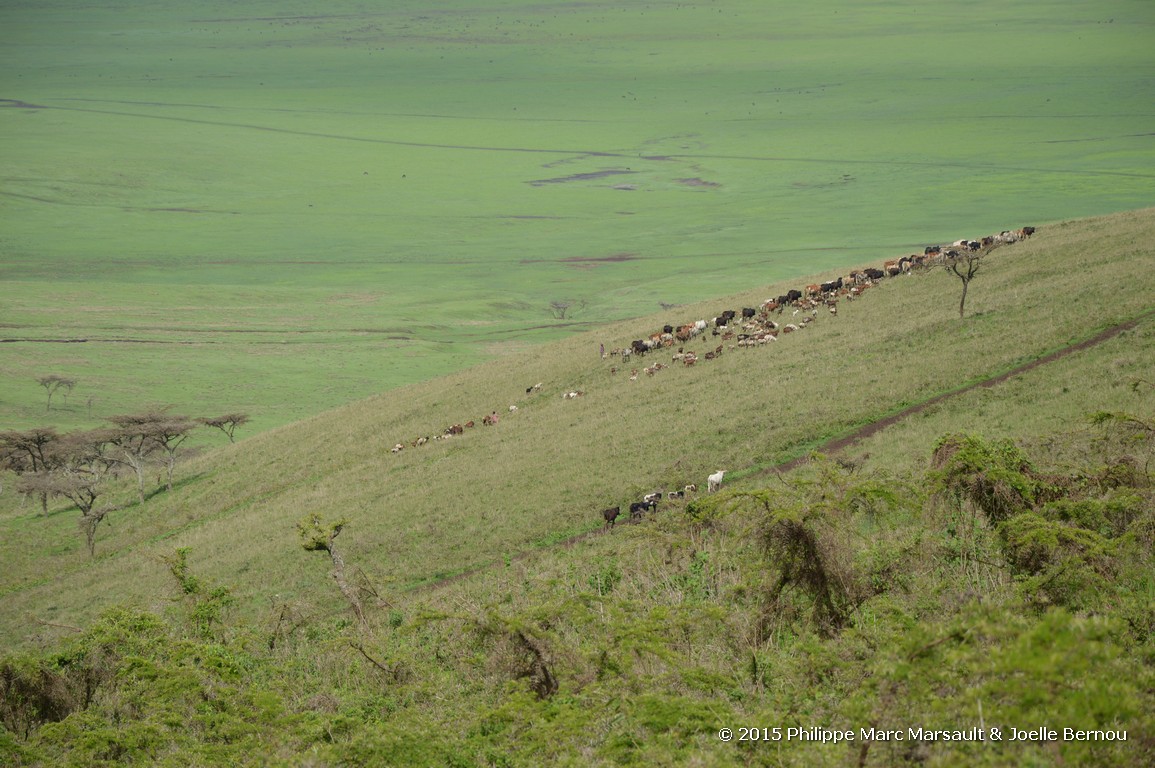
point(543, 473)
point(914, 592)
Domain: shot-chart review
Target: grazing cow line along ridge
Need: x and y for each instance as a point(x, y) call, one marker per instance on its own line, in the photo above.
point(755, 326)
point(830, 446)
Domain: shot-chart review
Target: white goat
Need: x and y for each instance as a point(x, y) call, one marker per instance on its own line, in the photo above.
point(714, 481)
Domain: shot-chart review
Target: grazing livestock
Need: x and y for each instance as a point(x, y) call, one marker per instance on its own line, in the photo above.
point(722, 320)
point(535, 388)
point(489, 420)
point(398, 448)
point(652, 497)
point(513, 409)
point(610, 515)
point(714, 481)
point(639, 508)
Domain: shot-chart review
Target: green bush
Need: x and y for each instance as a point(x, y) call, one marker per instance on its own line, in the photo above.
point(993, 476)
point(1062, 563)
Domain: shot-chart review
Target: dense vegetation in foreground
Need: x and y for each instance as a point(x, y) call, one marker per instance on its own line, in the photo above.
point(985, 563)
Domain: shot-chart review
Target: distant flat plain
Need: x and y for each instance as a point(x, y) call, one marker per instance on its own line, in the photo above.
point(281, 207)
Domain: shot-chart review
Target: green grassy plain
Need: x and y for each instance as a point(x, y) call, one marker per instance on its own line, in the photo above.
point(254, 206)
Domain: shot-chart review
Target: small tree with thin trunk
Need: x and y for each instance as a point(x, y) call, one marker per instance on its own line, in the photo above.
point(132, 445)
point(52, 383)
point(317, 536)
point(227, 423)
point(965, 266)
point(560, 307)
point(168, 435)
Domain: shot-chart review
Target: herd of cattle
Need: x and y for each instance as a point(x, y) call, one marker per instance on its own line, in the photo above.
point(749, 327)
point(755, 326)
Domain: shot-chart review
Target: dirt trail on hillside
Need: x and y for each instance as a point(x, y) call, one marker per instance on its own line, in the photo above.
point(839, 443)
point(874, 427)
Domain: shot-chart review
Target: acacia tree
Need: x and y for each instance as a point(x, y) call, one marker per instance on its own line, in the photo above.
point(227, 423)
point(168, 435)
point(132, 445)
point(138, 435)
point(52, 383)
point(965, 266)
point(77, 474)
point(29, 452)
point(560, 307)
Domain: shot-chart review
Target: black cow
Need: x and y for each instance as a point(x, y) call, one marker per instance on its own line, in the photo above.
point(639, 508)
point(931, 249)
point(874, 274)
point(832, 286)
point(724, 319)
point(639, 347)
point(667, 329)
point(748, 312)
point(792, 296)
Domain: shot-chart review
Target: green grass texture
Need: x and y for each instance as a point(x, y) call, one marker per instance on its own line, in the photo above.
point(276, 208)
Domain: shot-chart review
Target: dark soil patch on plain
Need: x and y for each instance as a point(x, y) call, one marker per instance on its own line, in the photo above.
point(616, 258)
point(695, 182)
point(579, 177)
point(17, 104)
